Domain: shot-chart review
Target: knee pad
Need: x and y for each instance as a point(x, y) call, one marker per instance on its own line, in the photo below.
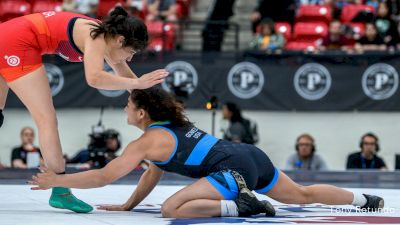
point(1, 117)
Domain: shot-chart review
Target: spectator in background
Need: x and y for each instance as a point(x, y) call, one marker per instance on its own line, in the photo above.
point(213, 33)
point(161, 10)
point(282, 10)
point(386, 26)
point(27, 155)
point(69, 6)
point(336, 40)
point(87, 7)
point(371, 41)
point(341, 3)
point(394, 6)
point(2, 166)
point(366, 158)
point(240, 130)
point(373, 3)
point(305, 157)
point(134, 7)
point(336, 7)
point(91, 158)
point(267, 38)
point(357, 2)
point(310, 2)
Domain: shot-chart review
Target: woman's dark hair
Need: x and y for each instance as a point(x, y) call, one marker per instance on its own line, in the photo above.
point(160, 105)
point(236, 113)
point(119, 23)
point(268, 22)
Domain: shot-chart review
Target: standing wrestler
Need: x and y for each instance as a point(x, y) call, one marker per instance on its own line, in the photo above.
point(76, 38)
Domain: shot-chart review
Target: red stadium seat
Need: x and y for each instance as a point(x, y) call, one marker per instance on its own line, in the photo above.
point(183, 8)
point(310, 31)
point(350, 11)
point(298, 46)
point(13, 8)
point(156, 44)
point(157, 30)
point(32, 2)
point(46, 5)
point(314, 13)
point(105, 6)
point(284, 28)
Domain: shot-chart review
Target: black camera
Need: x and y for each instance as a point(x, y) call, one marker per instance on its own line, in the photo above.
point(98, 147)
point(99, 153)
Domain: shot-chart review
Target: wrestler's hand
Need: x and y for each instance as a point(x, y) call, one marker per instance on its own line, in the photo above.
point(122, 207)
point(150, 79)
point(43, 180)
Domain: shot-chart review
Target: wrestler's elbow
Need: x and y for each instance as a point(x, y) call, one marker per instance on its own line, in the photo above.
point(93, 80)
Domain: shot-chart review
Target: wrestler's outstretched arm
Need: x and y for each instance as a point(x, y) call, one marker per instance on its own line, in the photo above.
point(133, 154)
point(96, 77)
point(147, 182)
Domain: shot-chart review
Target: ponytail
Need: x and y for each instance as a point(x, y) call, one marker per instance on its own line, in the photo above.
point(119, 23)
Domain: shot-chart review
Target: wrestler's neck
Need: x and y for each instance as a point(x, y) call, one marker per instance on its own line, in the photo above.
point(144, 124)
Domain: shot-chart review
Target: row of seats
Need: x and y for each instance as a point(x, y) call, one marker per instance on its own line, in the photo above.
point(312, 23)
point(162, 35)
point(14, 8)
point(307, 34)
point(314, 13)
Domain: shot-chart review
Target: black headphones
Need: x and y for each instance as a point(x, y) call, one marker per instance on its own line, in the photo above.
point(313, 149)
point(111, 133)
point(370, 134)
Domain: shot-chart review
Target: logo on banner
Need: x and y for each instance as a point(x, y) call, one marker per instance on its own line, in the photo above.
point(182, 80)
point(56, 78)
point(312, 81)
point(380, 81)
point(109, 93)
point(245, 80)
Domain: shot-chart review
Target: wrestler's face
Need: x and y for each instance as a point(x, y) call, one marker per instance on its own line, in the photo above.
point(135, 114)
point(117, 53)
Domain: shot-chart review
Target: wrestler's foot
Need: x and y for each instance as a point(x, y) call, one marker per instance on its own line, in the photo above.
point(373, 202)
point(62, 198)
point(249, 205)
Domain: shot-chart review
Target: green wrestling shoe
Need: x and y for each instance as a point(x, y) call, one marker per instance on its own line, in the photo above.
point(62, 198)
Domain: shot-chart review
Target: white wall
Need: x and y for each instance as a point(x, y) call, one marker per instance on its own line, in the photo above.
point(336, 134)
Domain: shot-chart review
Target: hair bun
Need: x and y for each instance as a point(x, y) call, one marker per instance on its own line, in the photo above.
point(118, 11)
